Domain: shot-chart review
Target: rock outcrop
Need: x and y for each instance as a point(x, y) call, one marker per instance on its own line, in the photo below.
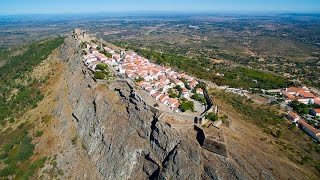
point(124, 138)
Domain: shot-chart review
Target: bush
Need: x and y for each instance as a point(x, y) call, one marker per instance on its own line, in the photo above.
point(173, 95)
point(199, 98)
point(106, 53)
point(211, 116)
point(278, 134)
point(101, 67)
point(99, 75)
point(84, 52)
point(74, 140)
point(39, 133)
point(178, 87)
point(8, 170)
point(187, 105)
point(26, 149)
point(299, 107)
point(139, 79)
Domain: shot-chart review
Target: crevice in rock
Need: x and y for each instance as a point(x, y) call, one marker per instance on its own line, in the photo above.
point(94, 106)
point(174, 149)
point(75, 117)
point(156, 173)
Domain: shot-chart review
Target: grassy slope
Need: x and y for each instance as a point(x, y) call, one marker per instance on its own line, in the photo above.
point(13, 73)
point(19, 93)
point(291, 141)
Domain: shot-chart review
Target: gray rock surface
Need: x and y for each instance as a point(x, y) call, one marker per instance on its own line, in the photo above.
point(124, 138)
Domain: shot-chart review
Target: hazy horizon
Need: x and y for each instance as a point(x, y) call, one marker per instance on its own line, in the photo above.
point(34, 7)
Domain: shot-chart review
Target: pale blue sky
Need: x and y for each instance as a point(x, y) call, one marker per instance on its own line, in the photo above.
point(91, 6)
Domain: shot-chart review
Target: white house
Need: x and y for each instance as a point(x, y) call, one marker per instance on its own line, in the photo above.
point(93, 50)
point(116, 57)
point(89, 61)
point(185, 93)
point(101, 57)
point(311, 131)
point(199, 91)
point(150, 90)
point(174, 104)
point(305, 100)
point(164, 99)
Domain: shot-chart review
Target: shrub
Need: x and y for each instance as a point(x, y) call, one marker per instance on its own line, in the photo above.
point(187, 105)
point(260, 115)
point(21, 125)
point(99, 75)
point(199, 98)
point(178, 87)
point(138, 79)
point(16, 67)
point(39, 133)
point(101, 67)
point(8, 170)
point(278, 134)
point(299, 107)
point(211, 116)
point(74, 140)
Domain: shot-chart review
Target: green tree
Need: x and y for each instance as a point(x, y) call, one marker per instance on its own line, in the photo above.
point(99, 75)
point(101, 67)
point(178, 87)
point(299, 107)
point(187, 105)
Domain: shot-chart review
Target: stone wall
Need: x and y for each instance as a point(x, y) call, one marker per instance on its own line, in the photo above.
point(215, 144)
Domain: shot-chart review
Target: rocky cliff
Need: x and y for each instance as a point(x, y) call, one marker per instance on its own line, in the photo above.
point(123, 137)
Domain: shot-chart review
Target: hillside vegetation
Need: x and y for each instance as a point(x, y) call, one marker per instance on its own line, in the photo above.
point(296, 145)
point(18, 93)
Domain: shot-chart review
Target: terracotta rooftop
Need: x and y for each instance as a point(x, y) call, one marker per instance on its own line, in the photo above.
point(312, 129)
point(306, 94)
point(294, 89)
point(293, 114)
point(288, 95)
point(317, 110)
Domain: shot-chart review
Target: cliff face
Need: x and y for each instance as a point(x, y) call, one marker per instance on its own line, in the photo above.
point(123, 137)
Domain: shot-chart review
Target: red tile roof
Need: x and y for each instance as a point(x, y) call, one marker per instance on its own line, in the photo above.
point(293, 114)
point(156, 94)
point(317, 110)
point(309, 127)
point(173, 101)
point(306, 94)
point(294, 89)
point(288, 95)
point(185, 91)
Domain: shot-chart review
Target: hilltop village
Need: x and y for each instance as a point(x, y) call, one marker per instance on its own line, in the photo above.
point(183, 94)
point(177, 91)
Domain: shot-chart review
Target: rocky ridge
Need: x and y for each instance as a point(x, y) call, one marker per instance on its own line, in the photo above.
point(123, 137)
